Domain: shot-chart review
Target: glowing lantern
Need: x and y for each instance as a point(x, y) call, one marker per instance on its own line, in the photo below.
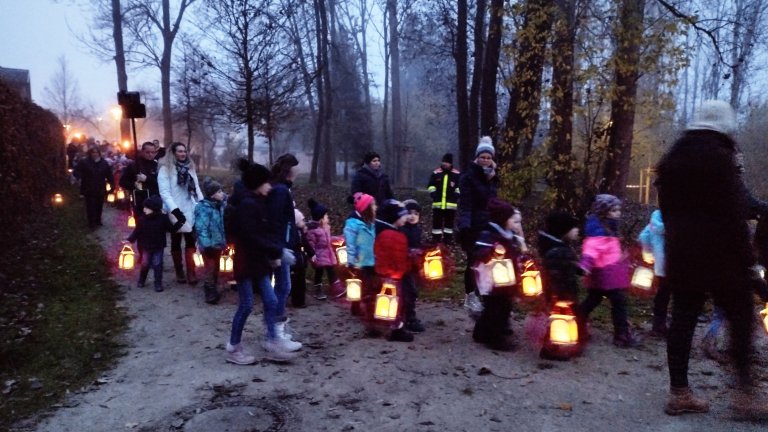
point(387, 302)
point(354, 289)
point(341, 250)
point(120, 194)
point(110, 197)
point(764, 317)
point(127, 258)
point(531, 280)
point(433, 265)
point(648, 257)
point(106, 187)
point(226, 261)
point(502, 269)
point(562, 340)
point(131, 221)
point(642, 278)
point(57, 199)
point(197, 257)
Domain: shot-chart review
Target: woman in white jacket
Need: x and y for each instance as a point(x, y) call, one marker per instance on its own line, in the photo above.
point(180, 191)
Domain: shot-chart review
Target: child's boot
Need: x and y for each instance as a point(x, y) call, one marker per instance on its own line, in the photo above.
point(211, 293)
point(319, 294)
point(625, 339)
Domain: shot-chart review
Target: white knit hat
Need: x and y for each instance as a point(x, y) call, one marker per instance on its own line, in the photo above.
point(485, 146)
point(714, 115)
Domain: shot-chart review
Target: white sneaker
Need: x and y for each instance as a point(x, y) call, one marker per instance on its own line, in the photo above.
point(286, 338)
point(281, 329)
point(232, 348)
point(276, 351)
point(237, 356)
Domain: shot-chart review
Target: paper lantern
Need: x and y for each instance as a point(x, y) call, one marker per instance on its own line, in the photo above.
point(197, 257)
point(225, 260)
point(127, 258)
point(562, 338)
point(110, 197)
point(131, 221)
point(57, 199)
point(106, 187)
point(387, 302)
point(120, 194)
point(433, 265)
point(642, 278)
point(531, 280)
point(354, 289)
point(340, 249)
point(648, 257)
point(502, 269)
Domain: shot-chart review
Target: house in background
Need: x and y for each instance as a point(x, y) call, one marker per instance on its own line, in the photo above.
point(18, 80)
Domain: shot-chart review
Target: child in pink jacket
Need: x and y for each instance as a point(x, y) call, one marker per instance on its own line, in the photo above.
point(319, 237)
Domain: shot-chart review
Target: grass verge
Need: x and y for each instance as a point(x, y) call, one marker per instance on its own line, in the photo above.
point(59, 324)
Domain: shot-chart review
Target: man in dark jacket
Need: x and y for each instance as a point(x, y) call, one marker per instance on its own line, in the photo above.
point(705, 205)
point(443, 188)
point(94, 174)
point(371, 180)
point(140, 177)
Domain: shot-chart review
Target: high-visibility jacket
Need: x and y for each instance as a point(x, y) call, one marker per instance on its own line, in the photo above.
point(443, 187)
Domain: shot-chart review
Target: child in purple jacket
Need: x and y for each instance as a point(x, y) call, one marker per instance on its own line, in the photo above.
point(606, 268)
point(324, 261)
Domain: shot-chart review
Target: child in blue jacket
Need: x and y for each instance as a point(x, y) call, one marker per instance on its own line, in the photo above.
point(211, 239)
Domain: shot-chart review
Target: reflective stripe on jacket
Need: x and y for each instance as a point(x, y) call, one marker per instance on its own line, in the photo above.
point(443, 187)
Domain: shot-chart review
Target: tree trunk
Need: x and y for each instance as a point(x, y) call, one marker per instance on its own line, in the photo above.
point(488, 110)
point(397, 120)
point(477, 76)
point(388, 153)
point(320, 96)
point(627, 60)
point(462, 97)
point(122, 74)
point(329, 167)
point(165, 74)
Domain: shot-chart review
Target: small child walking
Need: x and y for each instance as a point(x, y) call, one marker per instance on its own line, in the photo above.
point(606, 268)
point(560, 265)
point(324, 261)
point(150, 233)
point(211, 239)
point(413, 232)
point(651, 239)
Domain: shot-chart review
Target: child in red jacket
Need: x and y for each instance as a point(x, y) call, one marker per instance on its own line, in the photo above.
point(391, 252)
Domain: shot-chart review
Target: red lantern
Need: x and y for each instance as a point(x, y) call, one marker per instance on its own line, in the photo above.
point(127, 258)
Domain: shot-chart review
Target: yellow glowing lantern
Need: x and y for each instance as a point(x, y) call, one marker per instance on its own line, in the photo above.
point(131, 221)
point(120, 194)
point(764, 317)
point(226, 261)
point(197, 257)
point(531, 280)
point(110, 197)
point(354, 289)
point(106, 187)
point(563, 329)
point(341, 250)
point(387, 302)
point(648, 257)
point(642, 278)
point(433, 265)
point(57, 199)
point(502, 269)
point(127, 258)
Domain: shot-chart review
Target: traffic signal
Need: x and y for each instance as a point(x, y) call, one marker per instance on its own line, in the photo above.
point(131, 104)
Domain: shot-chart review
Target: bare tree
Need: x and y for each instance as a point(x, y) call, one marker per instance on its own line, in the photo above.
point(63, 93)
point(488, 99)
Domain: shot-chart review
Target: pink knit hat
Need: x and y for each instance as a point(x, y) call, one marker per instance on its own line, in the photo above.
point(362, 201)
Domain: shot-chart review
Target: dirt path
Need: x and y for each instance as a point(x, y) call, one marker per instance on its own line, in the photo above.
point(174, 377)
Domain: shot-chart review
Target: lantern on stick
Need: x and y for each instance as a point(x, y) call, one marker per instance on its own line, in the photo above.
point(354, 289)
point(225, 260)
point(131, 221)
point(127, 258)
point(531, 279)
point(57, 199)
point(433, 265)
point(387, 302)
point(562, 339)
point(340, 249)
point(197, 257)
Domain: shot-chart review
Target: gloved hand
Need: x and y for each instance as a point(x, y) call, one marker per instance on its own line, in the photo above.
point(288, 257)
point(179, 216)
point(177, 226)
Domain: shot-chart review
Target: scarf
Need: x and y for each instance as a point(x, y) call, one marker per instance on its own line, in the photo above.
point(184, 179)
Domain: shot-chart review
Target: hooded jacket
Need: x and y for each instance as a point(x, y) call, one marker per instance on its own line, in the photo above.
point(560, 268)
point(209, 224)
point(651, 238)
point(602, 257)
point(320, 240)
point(391, 251)
point(359, 238)
point(254, 243)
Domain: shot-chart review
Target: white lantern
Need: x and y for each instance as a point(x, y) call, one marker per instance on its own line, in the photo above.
point(354, 289)
point(642, 278)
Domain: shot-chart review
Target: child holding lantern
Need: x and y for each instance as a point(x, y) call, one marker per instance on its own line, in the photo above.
point(392, 262)
point(606, 268)
point(492, 328)
point(359, 236)
point(209, 227)
point(150, 233)
point(319, 237)
point(412, 231)
point(560, 265)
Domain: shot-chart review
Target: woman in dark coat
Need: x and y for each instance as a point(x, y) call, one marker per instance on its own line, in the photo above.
point(371, 180)
point(94, 174)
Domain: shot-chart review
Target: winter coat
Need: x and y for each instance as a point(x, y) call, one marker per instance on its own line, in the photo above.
point(281, 216)
point(177, 197)
point(374, 184)
point(560, 268)
point(413, 234)
point(320, 240)
point(602, 258)
point(651, 238)
point(150, 231)
point(391, 251)
point(359, 238)
point(209, 224)
point(443, 188)
point(705, 206)
point(142, 166)
point(476, 190)
point(491, 235)
point(93, 176)
point(254, 244)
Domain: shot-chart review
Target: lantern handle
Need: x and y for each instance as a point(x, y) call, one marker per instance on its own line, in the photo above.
point(127, 248)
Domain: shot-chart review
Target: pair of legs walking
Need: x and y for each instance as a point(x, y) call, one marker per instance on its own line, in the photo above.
point(189, 262)
point(152, 259)
point(622, 335)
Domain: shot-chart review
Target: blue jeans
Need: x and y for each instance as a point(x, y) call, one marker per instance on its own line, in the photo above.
point(245, 306)
point(281, 290)
point(152, 259)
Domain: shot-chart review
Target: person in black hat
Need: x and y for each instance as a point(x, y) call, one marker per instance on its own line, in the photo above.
point(560, 265)
point(370, 179)
point(150, 233)
point(443, 188)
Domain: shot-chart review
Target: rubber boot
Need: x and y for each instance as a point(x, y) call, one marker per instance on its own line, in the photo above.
point(178, 267)
point(189, 261)
point(211, 293)
point(319, 294)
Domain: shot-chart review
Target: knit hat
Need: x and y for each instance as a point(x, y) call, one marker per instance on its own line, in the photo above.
point(448, 158)
point(210, 187)
point(154, 203)
point(253, 174)
point(485, 146)
point(369, 156)
point(316, 210)
point(559, 223)
point(391, 210)
point(362, 201)
point(714, 115)
point(412, 204)
point(603, 204)
point(499, 211)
